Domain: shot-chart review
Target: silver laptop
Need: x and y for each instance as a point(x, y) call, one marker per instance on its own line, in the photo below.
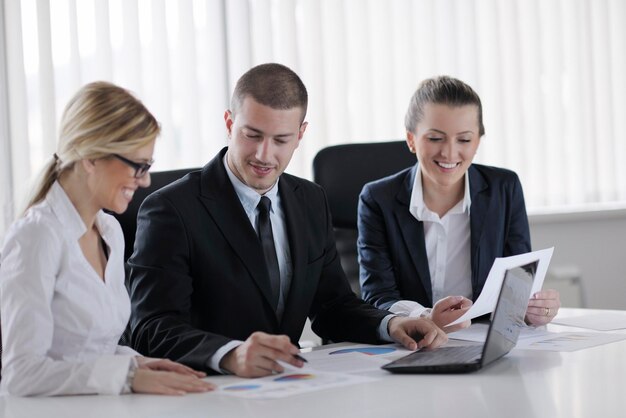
point(506, 322)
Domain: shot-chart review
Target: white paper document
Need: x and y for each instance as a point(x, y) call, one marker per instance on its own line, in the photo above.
point(488, 298)
point(478, 333)
point(570, 341)
point(354, 359)
point(353, 362)
point(606, 321)
point(326, 368)
point(291, 382)
point(531, 338)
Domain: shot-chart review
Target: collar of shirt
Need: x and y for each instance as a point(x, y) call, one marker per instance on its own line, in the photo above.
point(68, 216)
point(418, 208)
point(249, 197)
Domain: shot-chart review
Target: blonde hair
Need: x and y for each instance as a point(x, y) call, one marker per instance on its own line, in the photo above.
point(101, 119)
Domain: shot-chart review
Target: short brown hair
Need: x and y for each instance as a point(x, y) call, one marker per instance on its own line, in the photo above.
point(442, 90)
point(273, 85)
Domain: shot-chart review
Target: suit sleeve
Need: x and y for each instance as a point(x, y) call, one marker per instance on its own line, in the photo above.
point(517, 238)
point(337, 314)
point(161, 288)
point(376, 271)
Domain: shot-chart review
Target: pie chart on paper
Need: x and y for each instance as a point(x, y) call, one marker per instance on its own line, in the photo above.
point(294, 377)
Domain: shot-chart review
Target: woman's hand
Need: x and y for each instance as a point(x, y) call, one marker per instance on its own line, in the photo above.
point(543, 307)
point(168, 383)
point(166, 365)
point(450, 309)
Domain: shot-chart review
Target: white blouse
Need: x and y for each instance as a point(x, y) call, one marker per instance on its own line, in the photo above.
point(60, 322)
point(448, 248)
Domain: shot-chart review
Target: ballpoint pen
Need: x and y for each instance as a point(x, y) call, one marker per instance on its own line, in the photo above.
point(299, 357)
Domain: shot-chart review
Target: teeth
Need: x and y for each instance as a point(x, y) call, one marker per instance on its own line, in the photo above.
point(128, 193)
point(444, 165)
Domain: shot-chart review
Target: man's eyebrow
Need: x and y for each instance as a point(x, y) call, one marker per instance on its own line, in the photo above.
point(258, 131)
point(252, 129)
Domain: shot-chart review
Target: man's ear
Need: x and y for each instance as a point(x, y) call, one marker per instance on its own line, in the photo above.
point(302, 129)
point(228, 120)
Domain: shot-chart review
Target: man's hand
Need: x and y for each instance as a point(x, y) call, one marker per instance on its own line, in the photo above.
point(449, 309)
point(407, 330)
point(257, 356)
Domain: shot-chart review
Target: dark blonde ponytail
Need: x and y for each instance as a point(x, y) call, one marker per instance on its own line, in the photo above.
point(46, 179)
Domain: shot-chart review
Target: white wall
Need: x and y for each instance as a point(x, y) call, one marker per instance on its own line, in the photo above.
point(595, 244)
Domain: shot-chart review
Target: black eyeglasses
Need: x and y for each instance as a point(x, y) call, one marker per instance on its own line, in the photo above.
point(140, 168)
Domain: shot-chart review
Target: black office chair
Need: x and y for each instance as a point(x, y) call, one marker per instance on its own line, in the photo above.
point(128, 219)
point(343, 170)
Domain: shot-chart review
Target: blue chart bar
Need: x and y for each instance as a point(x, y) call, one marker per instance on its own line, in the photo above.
point(370, 351)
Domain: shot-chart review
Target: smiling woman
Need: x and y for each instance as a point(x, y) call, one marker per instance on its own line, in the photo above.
point(63, 302)
point(429, 234)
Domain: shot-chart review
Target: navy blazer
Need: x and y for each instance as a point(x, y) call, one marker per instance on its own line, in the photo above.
point(198, 277)
point(392, 252)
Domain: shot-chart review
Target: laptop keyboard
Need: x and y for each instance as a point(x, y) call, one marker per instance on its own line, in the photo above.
point(444, 355)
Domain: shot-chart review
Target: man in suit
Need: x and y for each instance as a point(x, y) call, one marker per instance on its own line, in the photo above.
point(230, 260)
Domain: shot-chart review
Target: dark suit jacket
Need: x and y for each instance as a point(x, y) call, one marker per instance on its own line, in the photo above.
point(392, 251)
point(198, 276)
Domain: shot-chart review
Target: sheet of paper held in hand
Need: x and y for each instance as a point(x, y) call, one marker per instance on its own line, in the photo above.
point(488, 298)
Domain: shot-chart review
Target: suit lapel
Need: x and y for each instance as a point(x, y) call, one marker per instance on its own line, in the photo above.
point(413, 232)
point(293, 206)
point(481, 200)
point(218, 196)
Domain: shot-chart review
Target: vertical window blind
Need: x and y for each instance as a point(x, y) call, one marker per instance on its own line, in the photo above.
point(550, 74)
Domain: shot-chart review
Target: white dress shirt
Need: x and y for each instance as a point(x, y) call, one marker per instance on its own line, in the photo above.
point(60, 321)
point(448, 247)
point(250, 199)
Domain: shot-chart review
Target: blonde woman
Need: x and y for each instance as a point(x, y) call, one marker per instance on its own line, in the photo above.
point(63, 302)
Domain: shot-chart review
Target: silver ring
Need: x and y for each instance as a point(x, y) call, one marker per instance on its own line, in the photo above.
point(547, 311)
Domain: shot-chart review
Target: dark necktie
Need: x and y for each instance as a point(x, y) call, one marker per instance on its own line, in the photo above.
point(269, 250)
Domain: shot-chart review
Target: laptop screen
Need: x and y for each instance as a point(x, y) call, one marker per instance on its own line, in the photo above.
point(508, 317)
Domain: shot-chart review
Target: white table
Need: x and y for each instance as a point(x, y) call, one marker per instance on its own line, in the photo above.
point(586, 383)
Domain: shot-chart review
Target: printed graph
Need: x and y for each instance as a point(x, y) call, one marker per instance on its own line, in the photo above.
point(370, 351)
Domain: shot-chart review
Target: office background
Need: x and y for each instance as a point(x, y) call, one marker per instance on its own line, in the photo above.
point(550, 74)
